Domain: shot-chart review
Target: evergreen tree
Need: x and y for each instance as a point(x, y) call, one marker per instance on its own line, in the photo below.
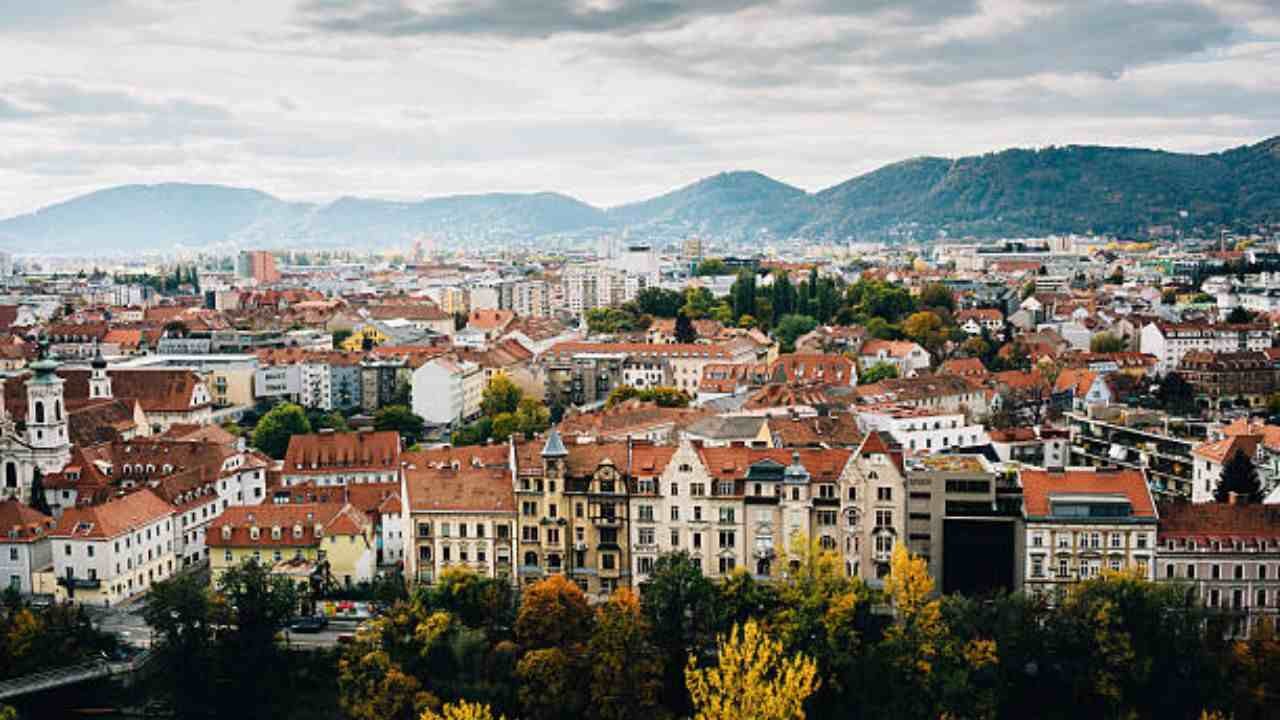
point(684, 329)
point(1239, 476)
point(38, 501)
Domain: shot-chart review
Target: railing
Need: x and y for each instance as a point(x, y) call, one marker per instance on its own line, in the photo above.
point(70, 675)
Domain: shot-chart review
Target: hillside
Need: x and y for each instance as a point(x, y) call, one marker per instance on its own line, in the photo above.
point(1014, 192)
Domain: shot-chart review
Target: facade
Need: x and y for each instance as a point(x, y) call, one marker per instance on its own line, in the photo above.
point(257, 265)
point(1225, 556)
point(923, 431)
point(1224, 380)
point(447, 390)
point(1079, 523)
point(458, 516)
point(44, 444)
point(1140, 440)
point(1169, 342)
point(106, 554)
point(25, 547)
point(323, 543)
point(907, 357)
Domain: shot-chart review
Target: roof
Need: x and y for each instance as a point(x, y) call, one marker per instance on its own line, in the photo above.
point(113, 518)
point(667, 350)
point(631, 416)
point(315, 519)
point(731, 463)
point(813, 368)
point(156, 389)
point(1075, 380)
point(20, 523)
point(464, 489)
point(838, 430)
point(344, 451)
point(1040, 486)
point(964, 367)
point(1222, 450)
point(728, 427)
point(1270, 433)
point(1218, 520)
point(892, 348)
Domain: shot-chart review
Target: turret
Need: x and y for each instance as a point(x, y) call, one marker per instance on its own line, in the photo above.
point(99, 381)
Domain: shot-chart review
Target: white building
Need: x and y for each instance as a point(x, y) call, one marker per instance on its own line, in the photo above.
point(1169, 342)
point(921, 430)
point(1081, 522)
point(25, 547)
point(106, 554)
point(44, 444)
point(447, 390)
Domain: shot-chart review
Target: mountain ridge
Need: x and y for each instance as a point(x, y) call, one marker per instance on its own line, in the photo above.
point(1022, 191)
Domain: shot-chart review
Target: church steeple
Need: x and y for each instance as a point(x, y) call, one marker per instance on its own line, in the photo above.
point(46, 416)
point(99, 381)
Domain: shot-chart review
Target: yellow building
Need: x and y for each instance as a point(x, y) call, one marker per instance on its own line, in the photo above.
point(355, 342)
point(295, 540)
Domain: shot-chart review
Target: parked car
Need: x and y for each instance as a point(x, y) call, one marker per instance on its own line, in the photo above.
point(310, 624)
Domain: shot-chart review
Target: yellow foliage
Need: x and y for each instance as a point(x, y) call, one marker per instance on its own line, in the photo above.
point(980, 653)
point(462, 710)
point(432, 629)
point(909, 584)
point(752, 680)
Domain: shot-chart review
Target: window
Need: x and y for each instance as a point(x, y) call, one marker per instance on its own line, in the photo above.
point(697, 489)
point(697, 541)
point(226, 555)
point(1142, 541)
point(1037, 567)
point(646, 536)
point(675, 489)
point(553, 536)
point(727, 515)
point(884, 518)
point(645, 513)
point(853, 494)
point(697, 513)
point(578, 510)
point(826, 517)
point(1064, 540)
point(1037, 540)
point(1261, 599)
point(1262, 572)
point(1169, 570)
point(1216, 572)
point(1191, 571)
point(727, 539)
point(727, 565)
point(675, 514)
point(607, 561)
point(1239, 572)
point(529, 533)
point(528, 508)
point(1115, 540)
point(1064, 568)
point(1095, 540)
point(884, 494)
point(675, 538)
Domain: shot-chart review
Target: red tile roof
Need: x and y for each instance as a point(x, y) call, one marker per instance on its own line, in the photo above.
point(465, 489)
point(113, 518)
point(347, 452)
point(20, 523)
point(1218, 520)
point(315, 519)
point(1038, 486)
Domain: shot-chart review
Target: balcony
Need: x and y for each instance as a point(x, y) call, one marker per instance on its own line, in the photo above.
point(75, 583)
point(607, 520)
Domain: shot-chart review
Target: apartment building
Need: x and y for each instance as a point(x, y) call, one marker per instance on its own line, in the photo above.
point(108, 553)
point(921, 430)
point(592, 370)
point(1226, 380)
point(447, 390)
point(1149, 442)
point(873, 507)
point(458, 516)
point(1081, 522)
point(1170, 342)
point(313, 544)
point(1226, 556)
point(25, 547)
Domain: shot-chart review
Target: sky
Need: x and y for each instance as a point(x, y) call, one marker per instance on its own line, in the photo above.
point(610, 101)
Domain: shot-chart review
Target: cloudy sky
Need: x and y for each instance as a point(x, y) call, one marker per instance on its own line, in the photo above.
point(607, 100)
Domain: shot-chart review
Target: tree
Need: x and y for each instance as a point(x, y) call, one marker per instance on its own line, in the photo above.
point(925, 327)
point(1239, 477)
point(258, 604)
point(743, 293)
point(937, 295)
point(790, 328)
point(783, 296)
point(684, 331)
point(462, 710)
point(1105, 342)
point(553, 626)
point(39, 502)
point(178, 610)
point(554, 613)
point(626, 668)
point(1176, 395)
point(680, 604)
point(659, 302)
point(752, 679)
point(876, 373)
point(271, 434)
point(698, 302)
point(712, 266)
point(504, 425)
point(340, 336)
point(1239, 316)
point(402, 420)
point(532, 416)
point(501, 395)
point(372, 687)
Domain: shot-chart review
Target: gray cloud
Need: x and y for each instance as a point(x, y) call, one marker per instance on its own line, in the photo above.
point(44, 15)
point(1097, 37)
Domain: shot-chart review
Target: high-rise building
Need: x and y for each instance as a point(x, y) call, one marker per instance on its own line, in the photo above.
point(258, 265)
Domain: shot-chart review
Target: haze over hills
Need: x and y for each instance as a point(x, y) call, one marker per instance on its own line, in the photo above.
point(1013, 192)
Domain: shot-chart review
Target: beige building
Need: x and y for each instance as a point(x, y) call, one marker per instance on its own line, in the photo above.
point(458, 516)
point(106, 554)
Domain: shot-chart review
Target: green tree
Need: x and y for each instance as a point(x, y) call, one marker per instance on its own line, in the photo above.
point(504, 425)
point(39, 502)
point(1105, 342)
point(712, 266)
point(937, 295)
point(271, 434)
point(258, 605)
point(1239, 316)
point(684, 331)
point(659, 302)
point(698, 303)
point(501, 395)
point(1239, 476)
point(790, 328)
point(743, 293)
point(783, 297)
point(179, 611)
point(402, 420)
point(532, 416)
point(680, 604)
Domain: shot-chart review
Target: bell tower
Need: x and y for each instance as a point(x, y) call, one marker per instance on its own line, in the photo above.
point(47, 416)
point(99, 381)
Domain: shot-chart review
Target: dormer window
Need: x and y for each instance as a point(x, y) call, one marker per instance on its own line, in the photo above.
point(297, 531)
point(275, 532)
point(254, 532)
point(226, 532)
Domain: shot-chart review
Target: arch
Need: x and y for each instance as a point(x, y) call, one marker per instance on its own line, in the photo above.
point(763, 567)
point(531, 559)
point(11, 474)
point(39, 411)
point(57, 410)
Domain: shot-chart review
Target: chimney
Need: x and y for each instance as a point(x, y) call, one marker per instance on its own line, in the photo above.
point(1235, 498)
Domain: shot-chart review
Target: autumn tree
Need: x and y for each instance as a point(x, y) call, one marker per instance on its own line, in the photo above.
point(462, 710)
point(752, 679)
point(626, 668)
point(501, 395)
point(926, 328)
point(372, 687)
point(553, 628)
point(1105, 342)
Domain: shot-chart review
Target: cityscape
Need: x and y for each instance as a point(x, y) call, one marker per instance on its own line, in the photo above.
point(327, 396)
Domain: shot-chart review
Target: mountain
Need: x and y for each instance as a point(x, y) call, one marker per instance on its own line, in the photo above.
point(736, 205)
point(1076, 189)
point(1055, 190)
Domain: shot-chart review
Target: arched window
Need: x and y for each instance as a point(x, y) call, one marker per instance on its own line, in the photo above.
point(531, 559)
point(10, 475)
point(57, 410)
point(39, 412)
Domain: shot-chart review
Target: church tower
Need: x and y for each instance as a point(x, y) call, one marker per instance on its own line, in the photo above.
point(99, 381)
point(47, 417)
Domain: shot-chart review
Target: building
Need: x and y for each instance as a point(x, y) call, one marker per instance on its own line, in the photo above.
point(43, 444)
point(458, 516)
point(447, 390)
point(588, 371)
point(1211, 457)
point(1225, 380)
point(342, 458)
point(1081, 522)
point(106, 554)
point(923, 431)
point(1170, 342)
point(1146, 441)
point(257, 265)
point(316, 544)
point(906, 357)
point(963, 518)
point(873, 507)
point(1225, 555)
point(25, 547)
